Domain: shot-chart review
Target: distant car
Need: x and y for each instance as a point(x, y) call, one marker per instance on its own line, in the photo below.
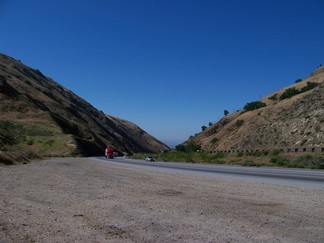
point(150, 159)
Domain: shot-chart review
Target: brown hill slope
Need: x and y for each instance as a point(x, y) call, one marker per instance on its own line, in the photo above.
point(294, 122)
point(38, 114)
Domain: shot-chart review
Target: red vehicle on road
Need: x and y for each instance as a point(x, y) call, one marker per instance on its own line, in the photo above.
point(109, 152)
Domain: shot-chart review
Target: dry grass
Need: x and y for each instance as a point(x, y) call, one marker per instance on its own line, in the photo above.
point(10, 158)
point(290, 123)
point(270, 159)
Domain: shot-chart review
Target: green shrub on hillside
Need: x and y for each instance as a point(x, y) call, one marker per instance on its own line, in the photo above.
point(290, 92)
point(298, 80)
point(273, 97)
point(190, 147)
point(254, 105)
point(203, 128)
point(309, 86)
point(10, 133)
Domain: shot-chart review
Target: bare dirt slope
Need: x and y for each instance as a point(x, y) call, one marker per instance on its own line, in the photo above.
point(83, 200)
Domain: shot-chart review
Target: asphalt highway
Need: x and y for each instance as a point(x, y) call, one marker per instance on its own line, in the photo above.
point(290, 177)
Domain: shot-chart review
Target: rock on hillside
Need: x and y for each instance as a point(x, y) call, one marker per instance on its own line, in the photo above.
point(293, 122)
point(40, 115)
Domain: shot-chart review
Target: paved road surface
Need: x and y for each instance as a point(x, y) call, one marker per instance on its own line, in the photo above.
point(282, 176)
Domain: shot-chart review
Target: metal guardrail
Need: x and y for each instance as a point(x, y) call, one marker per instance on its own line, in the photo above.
point(285, 150)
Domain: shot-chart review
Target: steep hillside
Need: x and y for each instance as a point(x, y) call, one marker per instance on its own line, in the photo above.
point(38, 114)
point(292, 118)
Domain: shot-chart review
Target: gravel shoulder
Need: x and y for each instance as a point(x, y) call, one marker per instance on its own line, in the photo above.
point(84, 200)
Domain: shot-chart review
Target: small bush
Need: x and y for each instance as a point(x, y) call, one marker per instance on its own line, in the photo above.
point(219, 155)
point(239, 123)
point(49, 142)
point(309, 86)
point(309, 161)
point(275, 152)
point(320, 166)
point(190, 147)
point(256, 153)
point(240, 154)
point(289, 93)
point(279, 161)
point(298, 80)
point(249, 163)
point(297, 165)
point(273, 97)
point(254, 105)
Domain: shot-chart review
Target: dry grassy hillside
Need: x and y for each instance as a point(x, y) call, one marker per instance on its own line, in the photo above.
point(41, 116)
point(295, 122)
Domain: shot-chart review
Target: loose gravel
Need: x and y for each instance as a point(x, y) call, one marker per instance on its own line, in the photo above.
point(85, 200)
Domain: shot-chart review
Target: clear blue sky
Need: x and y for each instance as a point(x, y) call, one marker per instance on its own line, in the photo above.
point(170, 66)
